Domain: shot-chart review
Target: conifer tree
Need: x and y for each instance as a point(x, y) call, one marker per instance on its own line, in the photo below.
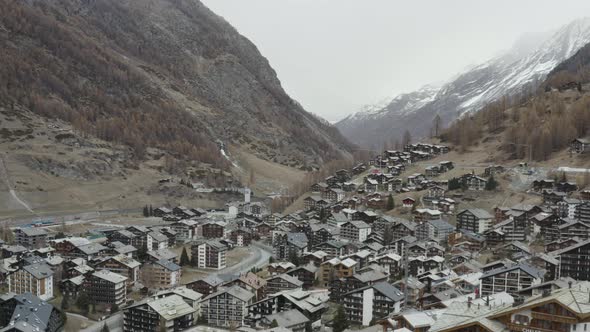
point(184, 260)
point(340, 322)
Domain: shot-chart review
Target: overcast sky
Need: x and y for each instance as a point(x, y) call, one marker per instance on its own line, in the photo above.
point(334, 56)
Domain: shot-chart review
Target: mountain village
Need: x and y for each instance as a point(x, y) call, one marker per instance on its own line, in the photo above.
point(377, 247)
point(157, 176)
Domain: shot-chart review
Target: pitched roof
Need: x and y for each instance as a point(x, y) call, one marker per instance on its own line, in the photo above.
point(158, 236)
point(30, 314)
point(358, 224)
point(479, 213)
point(574, 299)
point(168, 265)
point(370, 276)
point(252, 280)
point(566, 249)
point(109, 276)
point(92, 248)
point(235, 291)
point(171, 307)
point(127, 261)
point(386, 289)
point(531, 270)
point(125, 249)
point(78, 280)
point(162, 254)
point(39, 270)
point(461, 314)
point(287, 278)
point(213, 280)
point(34, 231)
point(288, 319)
point(440, 224)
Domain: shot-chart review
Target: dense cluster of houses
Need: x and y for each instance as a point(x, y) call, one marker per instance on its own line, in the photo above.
point(109, 264)
point(424, 273)
point(391, 164)
point(439, 268)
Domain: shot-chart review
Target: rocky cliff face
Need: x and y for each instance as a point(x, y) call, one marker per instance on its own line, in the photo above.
point(155, 73)
point(523, 67)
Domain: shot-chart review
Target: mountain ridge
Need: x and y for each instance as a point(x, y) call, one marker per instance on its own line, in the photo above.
point(169, 74)
point(507, 74)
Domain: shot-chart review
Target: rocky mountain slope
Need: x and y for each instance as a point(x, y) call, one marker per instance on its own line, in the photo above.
point(167, 74)
point(521, 68)
point(102, 99)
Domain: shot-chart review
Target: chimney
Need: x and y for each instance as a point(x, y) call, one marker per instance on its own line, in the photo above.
point(570, 284)
point(488, 300)
point(469, 302)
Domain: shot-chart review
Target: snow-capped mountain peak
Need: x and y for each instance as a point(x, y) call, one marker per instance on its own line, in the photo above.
point(403, 103)
point(528, 62)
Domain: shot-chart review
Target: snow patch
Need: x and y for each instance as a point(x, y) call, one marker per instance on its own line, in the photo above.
point(228, 158)
point(573, 170)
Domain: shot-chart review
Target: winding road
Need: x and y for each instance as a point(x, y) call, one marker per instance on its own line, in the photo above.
point(258, 258)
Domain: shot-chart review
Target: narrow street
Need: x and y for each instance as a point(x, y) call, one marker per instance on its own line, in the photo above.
point(115, 324)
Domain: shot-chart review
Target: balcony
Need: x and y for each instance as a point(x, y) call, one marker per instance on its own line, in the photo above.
point(554, 317)
point(522, 327)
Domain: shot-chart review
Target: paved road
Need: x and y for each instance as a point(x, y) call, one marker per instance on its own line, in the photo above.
point(115, 324)
point(71, 216)
point(259, 256)
point(258, 259)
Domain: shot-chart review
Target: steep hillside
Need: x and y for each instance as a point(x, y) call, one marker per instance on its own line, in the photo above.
point(519, 70)
point(168, 74)
point(537, 126)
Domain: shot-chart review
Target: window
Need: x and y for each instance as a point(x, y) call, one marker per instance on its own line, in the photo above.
point(521, 319)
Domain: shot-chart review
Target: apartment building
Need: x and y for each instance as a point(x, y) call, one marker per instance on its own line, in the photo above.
point(31, 238)
point(206, 286)
point(312, 304)
point(106, 287)
point(213, 230)
point(510, 279)
point(167, 314)
point(574, 261)
point(122, 265)
point(161, 274)
point(582, 212)
point(282, 282)
point(437, 230)
point(36, 279)
point(210, 254)
point(336, 269)
point(241, 237)
point(228, 307)
point(373, 302)
point(355, 230)
point(474, 220)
